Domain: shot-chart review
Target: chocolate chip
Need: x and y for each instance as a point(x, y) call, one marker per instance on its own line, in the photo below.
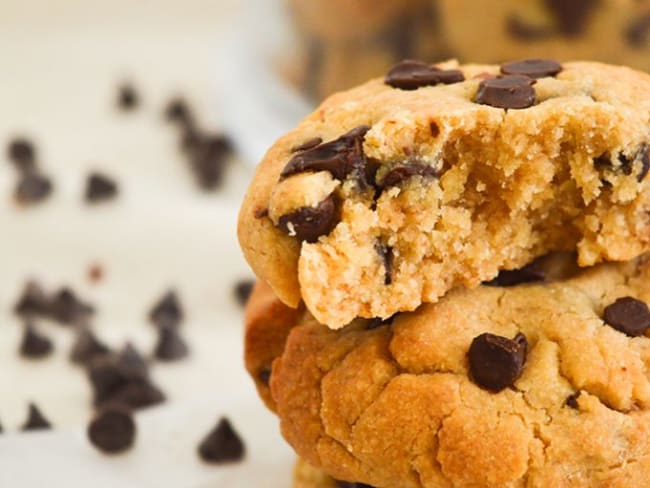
point(340, 157)
point(127, 97)
point(32, 188)
point(496, 362)
point(533, 68)
point(520, 29)
point(177, 110)
point(308, 144)
point(222, 444)
point(95, 273)
point(170, 345)
point(243, 289)
point(22, 154)
point(644, 156)
point(572, 400)
point(99, 188)
point(123, 378)
point(34, 344)
point(571, 16)
point(401, 173)
point(514, 92)
point(260, 213)
point(638, 32)
point(168, 310)
point(348, 484)
point(379, 322)
point(112, 430)
point(264, 375)
point(434, 129)
point(87, 347)
point(309, 223)
point(411, 75)
point(35, 420)
point(628, 315)
point(208, 155)
point(386, 256)
point(513, 277)
point(626, 164)
point(33, 301)
point(132, 362)
point(67, 309)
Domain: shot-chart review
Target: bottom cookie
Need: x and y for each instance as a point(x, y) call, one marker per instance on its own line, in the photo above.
point(306, 476)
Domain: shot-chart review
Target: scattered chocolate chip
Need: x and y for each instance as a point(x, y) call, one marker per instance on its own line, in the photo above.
point(1, 429)
point(123, 378)
point(340, 157)
point(170, 345)
point(386, 256)
point(308, 144)
point(264, 375)
point(513, 277)
point(127, 97)
point(533, 68)
point(349, 484)
point(112, 430)
point(398, 175)
point(22, 154)
point(87, 347)
point(67, 309)
point(208, 155)
point(572, 400)
point(34, 344)
point(519, 29)
point(130, 360)
point(222, 444)
point(411, 75)
point(628, 315)
point(509, 92)
point(168, 310)
point(35, 420)
point(178, 110)
point(309, 223)
point(95, 273)
point(33, 301)
point(260, 213)
point(99, 188)
point(496, 362)
point(243, 289)
point(638, 32)
point(571, 17)
point(32, 188)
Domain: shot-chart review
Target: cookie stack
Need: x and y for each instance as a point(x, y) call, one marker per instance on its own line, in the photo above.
point(452, 280)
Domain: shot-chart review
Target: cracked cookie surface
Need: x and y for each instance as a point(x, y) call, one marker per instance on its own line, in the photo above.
point(419, 190)
point(394, 405)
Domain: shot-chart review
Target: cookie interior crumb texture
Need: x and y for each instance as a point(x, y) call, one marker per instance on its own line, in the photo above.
point(449, 188)
point(397, 406)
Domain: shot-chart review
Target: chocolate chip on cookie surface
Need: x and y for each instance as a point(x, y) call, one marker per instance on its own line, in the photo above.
point(461, 181)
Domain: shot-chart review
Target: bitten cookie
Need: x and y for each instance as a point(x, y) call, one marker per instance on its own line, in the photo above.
point(395, 192)
point(510, 385)
point(614, 31)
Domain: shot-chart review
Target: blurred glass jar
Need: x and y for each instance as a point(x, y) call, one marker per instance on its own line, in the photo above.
point(344, 42)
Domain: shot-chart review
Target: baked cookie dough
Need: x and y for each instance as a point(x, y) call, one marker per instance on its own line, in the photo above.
point(525, 385)
point(436, 177)
point(612, 31)
point(306, 476)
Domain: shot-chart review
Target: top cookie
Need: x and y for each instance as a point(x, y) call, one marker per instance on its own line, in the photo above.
point(436, 177)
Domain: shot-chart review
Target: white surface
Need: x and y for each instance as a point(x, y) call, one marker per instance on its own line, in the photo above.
point(61, 64)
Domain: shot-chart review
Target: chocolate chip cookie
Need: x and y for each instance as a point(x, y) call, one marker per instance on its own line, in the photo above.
point(436, 177)
point(613, 31)
point(514, 383)
point(343, 43)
